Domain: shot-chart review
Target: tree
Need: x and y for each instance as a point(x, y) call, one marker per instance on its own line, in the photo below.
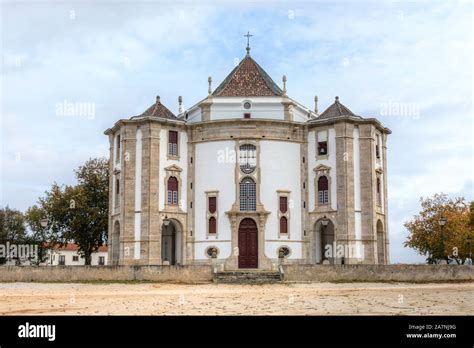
point(429, 239)
point(78, 214)
point(12, 228)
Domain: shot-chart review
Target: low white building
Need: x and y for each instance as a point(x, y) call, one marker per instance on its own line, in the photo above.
point(68, 255)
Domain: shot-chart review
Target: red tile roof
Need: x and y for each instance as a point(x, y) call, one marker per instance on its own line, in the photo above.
point(247, 79)
point(335, 110)
point(74, 247)
point(159, 110)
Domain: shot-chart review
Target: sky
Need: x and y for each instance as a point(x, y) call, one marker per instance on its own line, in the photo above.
point(408, 64)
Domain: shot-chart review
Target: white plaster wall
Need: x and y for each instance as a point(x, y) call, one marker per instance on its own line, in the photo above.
point(70, 253)
point(194, 116)
point(233, 107)
point(182, 163)
point(214, 172)
point(280, 170)
point(313, 163)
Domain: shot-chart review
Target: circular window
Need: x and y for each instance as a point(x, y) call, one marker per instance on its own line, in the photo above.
point(247, 105)
point(212, 252)
point(283, 252)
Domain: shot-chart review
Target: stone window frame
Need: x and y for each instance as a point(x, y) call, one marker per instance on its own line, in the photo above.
point(215, 215)
point(318, 156)
point(175, 171)
point(284, 246)
point(287, 194)
point(168, 156)
point(320, 171)
point(206, 251)
point(117, 191)
point(240, 175)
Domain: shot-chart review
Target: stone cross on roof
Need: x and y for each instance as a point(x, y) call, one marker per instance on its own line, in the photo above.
point(248, 36)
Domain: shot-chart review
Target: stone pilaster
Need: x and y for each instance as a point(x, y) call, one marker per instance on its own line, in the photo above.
point(368, 191)
point(127, 192)
point(385, 195)
point(345, 220)
point(150, 192)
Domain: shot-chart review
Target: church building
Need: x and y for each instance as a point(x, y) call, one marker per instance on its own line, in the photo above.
point(248, 178)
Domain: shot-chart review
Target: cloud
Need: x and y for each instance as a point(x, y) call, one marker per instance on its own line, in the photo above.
point(119, 56)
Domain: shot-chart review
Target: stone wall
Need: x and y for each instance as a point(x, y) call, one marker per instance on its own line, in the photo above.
point(203, 273)
point(178, 274)
point(376, 273)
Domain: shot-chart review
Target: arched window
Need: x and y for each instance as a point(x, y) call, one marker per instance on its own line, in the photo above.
point(323, 193)
point(248, 199)
point(283, 225)
point(172, 190)
point(212, 225)
point(247, 158)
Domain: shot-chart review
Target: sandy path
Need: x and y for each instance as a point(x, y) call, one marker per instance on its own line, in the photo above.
point(275, 299)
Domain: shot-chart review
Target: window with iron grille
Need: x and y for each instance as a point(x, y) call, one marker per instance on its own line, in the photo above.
point(173, 143)
point(248, 195)
point(172, 190)
point(323, 190)
point(247, 158)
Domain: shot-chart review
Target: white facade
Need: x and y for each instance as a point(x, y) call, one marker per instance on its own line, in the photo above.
point(260, 179)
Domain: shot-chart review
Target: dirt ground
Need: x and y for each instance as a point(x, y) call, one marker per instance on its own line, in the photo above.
point(227, 299)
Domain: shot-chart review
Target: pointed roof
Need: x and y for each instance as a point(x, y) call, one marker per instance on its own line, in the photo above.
point(159, 110)
point(247, 79)
point(335, 110)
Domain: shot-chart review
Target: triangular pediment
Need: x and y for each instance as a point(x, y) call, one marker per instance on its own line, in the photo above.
point(322, 168)
point(173, 168)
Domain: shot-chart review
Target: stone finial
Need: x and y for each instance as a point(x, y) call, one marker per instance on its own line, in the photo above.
point(209, 80)
point(284, 84)
point(337, 99)
point(316, 104)
point(158, 99)
point(180, 104)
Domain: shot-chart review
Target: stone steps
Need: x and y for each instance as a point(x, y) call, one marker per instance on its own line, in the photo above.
point(247, 277)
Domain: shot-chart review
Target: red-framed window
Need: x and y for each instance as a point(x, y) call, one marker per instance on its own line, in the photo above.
point(212, 204)
point(283, 204)
point(172, 190)
point(173, 143)
point(283, 225)
point(212, 225)
point(323, 190)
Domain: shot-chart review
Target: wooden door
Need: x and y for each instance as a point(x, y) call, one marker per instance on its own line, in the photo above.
point(248, 244)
